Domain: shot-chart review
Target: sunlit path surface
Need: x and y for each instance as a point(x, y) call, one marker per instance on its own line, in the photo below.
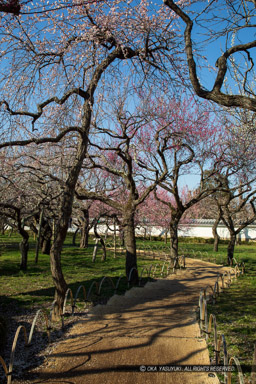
point(151, 326)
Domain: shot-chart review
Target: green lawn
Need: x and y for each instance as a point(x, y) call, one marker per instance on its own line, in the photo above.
point(35, 287)
point(235, 312)
point(236, 307)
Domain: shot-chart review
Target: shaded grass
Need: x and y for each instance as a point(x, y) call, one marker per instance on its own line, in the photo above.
point(34, 287)
point(235, 313)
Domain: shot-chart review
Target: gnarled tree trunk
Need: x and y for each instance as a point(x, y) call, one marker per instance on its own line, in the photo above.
point(174, 240)
point(215, 234)
point(2, 227)
point(24, 247)
point(74, 236)
point(85, 227)
point(231, 247)
point(130, 245)
point(104, 256)
point(62, 223)
point(46, 237)
point(56, 269)
point(166, 236)
point(46, 246)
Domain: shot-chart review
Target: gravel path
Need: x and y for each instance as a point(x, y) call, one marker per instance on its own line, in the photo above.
point(148, 327)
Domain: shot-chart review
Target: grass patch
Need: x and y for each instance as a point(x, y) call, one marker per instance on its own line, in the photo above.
point(235, 314)
point(34, 287)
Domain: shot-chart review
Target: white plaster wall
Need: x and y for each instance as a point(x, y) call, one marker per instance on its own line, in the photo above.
point(204, 231)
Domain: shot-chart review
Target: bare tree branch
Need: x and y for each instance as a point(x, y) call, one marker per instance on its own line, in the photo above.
point(215, 94)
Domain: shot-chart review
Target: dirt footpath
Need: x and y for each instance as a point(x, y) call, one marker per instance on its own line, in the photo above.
point(151, 326)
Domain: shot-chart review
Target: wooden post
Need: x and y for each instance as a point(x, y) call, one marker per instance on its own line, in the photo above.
point(95, 249)
point(39, 235)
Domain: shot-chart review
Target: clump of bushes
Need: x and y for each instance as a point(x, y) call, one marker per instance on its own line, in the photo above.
point(196, 240)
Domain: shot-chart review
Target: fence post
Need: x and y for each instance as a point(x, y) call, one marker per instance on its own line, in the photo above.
point(95, 249)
